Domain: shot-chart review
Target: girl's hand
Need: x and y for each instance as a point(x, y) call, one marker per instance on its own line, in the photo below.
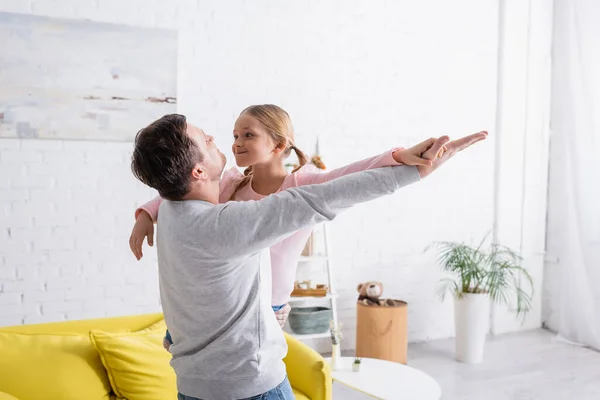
point(282, 315)
point(166, 344)
point(144, 226)
point(414, 155)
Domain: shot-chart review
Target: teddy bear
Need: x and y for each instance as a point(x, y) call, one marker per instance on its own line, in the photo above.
point(369, 294)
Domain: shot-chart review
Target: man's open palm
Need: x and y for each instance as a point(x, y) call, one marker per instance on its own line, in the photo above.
point(451, 148)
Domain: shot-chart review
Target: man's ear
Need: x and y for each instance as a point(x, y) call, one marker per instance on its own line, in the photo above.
point(198, 172)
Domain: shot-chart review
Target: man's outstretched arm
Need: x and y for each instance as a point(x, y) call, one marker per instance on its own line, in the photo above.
point(246, 227)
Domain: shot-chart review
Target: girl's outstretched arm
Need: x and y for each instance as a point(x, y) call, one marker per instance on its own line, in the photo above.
point(396, 156)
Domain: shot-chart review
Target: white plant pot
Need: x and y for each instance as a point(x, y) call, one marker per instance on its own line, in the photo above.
point(336, 357)
point(471, 324)
point(355, 367)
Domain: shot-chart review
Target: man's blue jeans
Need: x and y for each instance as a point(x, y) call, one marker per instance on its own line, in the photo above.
point(282, 392)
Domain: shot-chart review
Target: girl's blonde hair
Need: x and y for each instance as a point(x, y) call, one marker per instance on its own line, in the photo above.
point(278, 124)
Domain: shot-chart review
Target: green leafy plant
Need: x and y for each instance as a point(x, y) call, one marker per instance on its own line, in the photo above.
point(357, 360)
point(495, 271)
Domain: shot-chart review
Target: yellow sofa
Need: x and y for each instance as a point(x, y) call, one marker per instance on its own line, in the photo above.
point(54, 358)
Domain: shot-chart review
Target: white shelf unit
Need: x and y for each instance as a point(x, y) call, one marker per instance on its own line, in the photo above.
point(311, 259)
point(312, 336)
point(299, 299)
point(331, 296)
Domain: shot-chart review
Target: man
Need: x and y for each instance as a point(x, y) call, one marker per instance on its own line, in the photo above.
point(214, 266)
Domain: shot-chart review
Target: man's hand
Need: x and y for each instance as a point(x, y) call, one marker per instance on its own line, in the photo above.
point(144, 227)
point(447, 148)
point(282, 315)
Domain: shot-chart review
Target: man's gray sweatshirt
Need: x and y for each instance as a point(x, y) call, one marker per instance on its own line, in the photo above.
point(215, 279)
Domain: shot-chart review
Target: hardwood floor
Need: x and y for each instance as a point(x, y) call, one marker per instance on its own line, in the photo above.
point(523, 366)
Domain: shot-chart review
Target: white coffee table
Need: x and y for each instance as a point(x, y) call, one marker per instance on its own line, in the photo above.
point(387, 380)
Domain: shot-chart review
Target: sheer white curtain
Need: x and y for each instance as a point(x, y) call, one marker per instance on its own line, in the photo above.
point(574, 180)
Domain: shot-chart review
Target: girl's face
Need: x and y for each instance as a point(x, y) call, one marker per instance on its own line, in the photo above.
point(252, 144)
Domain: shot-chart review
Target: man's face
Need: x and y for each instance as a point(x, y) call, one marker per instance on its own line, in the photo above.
point(214, 160)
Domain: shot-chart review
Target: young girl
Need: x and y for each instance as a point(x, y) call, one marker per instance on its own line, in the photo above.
point(263, 138)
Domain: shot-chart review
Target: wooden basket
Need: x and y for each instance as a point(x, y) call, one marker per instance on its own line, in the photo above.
point(319, 292)
point(381, 332)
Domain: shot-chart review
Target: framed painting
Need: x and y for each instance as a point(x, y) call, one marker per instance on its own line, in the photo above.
point(82, 80)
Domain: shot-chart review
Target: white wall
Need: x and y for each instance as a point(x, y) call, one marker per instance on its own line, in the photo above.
point(361, 76)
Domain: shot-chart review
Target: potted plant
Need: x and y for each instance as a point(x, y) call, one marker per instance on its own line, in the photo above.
point(480, 276)
point(356, 364)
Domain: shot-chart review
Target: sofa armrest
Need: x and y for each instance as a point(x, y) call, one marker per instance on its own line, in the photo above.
point(307, 370)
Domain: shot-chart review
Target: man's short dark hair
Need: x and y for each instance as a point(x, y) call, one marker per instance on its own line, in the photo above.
point(164, 156)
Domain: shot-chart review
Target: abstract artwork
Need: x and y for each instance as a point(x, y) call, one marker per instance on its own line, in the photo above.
point(82, 80)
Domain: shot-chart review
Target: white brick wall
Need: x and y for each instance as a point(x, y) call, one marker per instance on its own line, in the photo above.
point(64, 232)
point(361, 76)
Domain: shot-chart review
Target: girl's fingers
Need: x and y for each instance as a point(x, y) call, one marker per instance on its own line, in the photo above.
point(416, 160)
point(435, 148)
point(138, 249)
point(424, 145)
point(132, 246)
point(442, 151)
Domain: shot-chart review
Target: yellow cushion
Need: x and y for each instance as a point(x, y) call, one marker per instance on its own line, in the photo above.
point(157, 327)
point(299, 396)
point(51, 366)
point(138, 366)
